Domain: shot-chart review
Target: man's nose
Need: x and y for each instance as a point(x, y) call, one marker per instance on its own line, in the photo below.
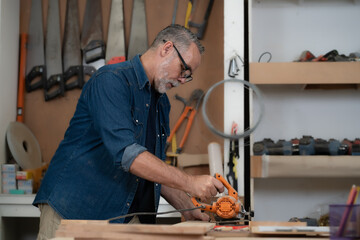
point(182, 80)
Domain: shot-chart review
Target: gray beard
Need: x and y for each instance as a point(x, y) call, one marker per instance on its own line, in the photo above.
point(162, 88)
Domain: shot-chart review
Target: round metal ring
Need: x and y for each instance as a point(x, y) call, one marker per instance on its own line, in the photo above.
point(245, 133)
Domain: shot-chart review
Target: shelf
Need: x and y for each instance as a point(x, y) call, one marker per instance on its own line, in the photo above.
point(16, 205)
point(305, 73)
point(305, 166)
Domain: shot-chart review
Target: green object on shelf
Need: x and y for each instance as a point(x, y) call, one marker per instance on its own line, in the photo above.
point(16, 191)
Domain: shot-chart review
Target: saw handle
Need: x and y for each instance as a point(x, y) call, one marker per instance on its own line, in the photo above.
point(232, 192)
point(212, 208)
point(38, 73)
point(71, 72)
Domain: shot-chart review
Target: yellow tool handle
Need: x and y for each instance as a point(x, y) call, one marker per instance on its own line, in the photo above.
point(188, 12)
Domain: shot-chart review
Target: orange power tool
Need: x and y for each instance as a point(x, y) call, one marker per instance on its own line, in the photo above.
point(225, 207)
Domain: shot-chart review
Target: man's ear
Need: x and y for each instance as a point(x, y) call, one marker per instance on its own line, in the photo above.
point(166, 49)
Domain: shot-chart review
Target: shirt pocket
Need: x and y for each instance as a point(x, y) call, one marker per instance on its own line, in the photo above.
point(138, 122)
point(165, 132)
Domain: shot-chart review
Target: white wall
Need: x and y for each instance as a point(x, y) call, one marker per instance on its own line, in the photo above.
point(9, 45)
point(284, 198)
point(286, 28)
point(291, 111)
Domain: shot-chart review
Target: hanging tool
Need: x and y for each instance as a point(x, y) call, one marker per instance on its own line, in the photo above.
point(233, 159)
point(226, 207)
point(115, 49)
point(202, 26)
point(74, 71)
point(92, 43)
point(21, 83)
point(189, 113)
point(233, 66)
point(35, 57)
point(174, 12)
point(54, 84)
point(172, 156)
point(138, 43)
point(189, 12)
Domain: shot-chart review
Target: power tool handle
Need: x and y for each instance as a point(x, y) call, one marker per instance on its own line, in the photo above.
point(231, 190)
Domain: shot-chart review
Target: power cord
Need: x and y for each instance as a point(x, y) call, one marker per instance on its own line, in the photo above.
point(153, 213)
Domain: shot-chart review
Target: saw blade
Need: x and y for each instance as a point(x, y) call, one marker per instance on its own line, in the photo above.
point(54, 85)
point(53, 40)
point(92, 43)
point(35, 46)
point(116, 40)
point(138, 43)
point(71, 45)
point(35, 57)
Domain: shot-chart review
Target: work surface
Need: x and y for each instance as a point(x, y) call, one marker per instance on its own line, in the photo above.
point(82, 229)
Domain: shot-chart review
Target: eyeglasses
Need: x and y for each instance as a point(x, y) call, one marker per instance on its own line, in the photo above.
point(186, 72)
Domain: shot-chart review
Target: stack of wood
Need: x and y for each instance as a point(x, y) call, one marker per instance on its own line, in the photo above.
point(103, 230)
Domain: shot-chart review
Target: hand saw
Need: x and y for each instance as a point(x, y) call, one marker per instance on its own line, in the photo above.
point(74, 71)
point(35, 58)
point(92, 43)
point(54, 85)
point(138, 36)
point(115, 49)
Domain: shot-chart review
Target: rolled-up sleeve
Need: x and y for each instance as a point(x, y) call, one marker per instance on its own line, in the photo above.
point(130, 153)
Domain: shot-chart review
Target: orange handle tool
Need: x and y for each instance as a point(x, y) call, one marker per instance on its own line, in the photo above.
point(187, 129)
point(225, 207)
point(21, 83)
point(178, 123)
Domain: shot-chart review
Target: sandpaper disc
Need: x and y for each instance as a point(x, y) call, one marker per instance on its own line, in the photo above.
point(23, 146)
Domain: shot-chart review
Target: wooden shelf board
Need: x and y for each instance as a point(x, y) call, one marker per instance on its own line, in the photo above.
point(304, 166)
point(305, 73)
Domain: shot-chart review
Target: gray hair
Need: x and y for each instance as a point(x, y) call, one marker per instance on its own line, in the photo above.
point(180, 36)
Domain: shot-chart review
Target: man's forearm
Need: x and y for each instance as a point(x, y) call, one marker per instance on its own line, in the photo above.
point(151, 168)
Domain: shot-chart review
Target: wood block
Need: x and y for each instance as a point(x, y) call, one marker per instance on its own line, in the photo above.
point(272, 223)
point(187, 160)
point(85, 229)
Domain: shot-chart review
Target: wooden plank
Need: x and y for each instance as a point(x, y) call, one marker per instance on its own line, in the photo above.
point(63, 238)
point(307, 166)
point(121, 235)
point(136, 228)
point(186, 160)
point(206, 225)
point(305, 73)
point(269, 238)
point(272, 223)
point(71, 221)
point(290, 230)
point(256, 167)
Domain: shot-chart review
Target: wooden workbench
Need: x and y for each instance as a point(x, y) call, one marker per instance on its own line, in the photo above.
point(82, 229)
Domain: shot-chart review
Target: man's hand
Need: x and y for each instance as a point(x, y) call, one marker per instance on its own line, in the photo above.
point(180, 200)
point(195, 215)
point(204, 186)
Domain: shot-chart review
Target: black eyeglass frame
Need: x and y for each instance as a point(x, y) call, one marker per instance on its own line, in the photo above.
point(187, 77)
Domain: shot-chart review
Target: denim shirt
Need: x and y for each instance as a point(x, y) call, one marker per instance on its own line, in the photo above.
point(88, 177)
